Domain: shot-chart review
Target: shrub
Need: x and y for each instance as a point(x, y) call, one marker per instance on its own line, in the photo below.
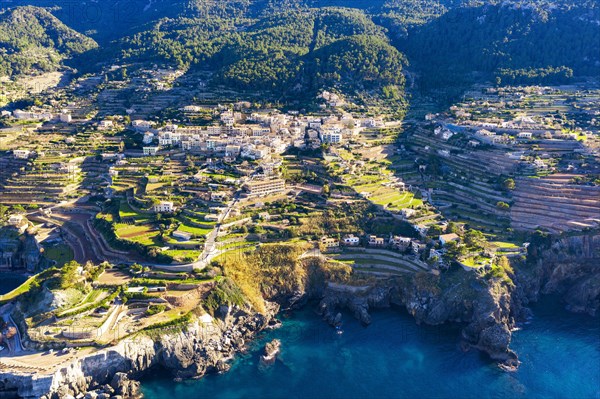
point(155, 309)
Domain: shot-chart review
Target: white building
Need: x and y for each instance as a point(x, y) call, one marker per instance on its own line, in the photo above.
point(148, 138)
point(351, 240)
point(446, 238)
point(105, 125)
point(265, 187)
point(142, 125)
point(524, 135)
point(331, 137)
point(400, 242)
point(150, 151)
point(65, 117)
point(164, 207)
point(182, 235)
point(21, 154)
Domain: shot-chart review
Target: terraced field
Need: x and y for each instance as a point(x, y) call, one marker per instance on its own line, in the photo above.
point(379, 262)
point(143, 234)
point(555, 204)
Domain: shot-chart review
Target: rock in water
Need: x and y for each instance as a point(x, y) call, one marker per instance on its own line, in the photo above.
point(271, 351)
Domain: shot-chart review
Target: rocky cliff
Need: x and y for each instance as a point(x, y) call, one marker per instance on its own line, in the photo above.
point(488, 307)
point(485, 307)
point(568, 266)
point(187, 351)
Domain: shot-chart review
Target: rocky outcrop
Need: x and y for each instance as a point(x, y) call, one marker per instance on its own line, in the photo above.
point(487, 307)
point(272, 349)
point(337, 297)
point(187, 351)
point(568, 266)
point(484, 306)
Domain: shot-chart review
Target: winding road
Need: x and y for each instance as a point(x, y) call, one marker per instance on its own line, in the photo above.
point(89, 245)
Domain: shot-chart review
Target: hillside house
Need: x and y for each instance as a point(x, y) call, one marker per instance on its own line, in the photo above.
point(399, 242)
point(164, 207)
point(422, 229)
point(407, 212)
point(417, 246)
point(182, 235)
point(375, 241)
point(351, 240)
point(21, 154)
point(65, 117)
point(265, 187)
point(105, 125)
point(446, 238)
point(218, 196)
point(150, 151)
point(142, 125)
point(525, 135)
point(329, 242)
point(148, 138)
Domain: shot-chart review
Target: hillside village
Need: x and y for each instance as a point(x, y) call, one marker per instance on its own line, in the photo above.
point(180, 177)
point(144, 212)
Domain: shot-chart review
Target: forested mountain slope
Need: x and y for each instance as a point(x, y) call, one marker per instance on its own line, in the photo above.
point(33, 40)
point(287, 52)
point(517, 43)
point(285, 47)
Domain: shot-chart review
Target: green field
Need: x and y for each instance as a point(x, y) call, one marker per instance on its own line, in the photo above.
point(60, 253)
point(126, 211)
point(183, 255)
point(196, 231)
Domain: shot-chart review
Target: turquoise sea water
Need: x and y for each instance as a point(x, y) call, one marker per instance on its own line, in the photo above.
point(10, 281)
point(395, 358)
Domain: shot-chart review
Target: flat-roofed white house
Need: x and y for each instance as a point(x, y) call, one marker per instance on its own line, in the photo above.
point(150, 151)
point(182, 235)
point(329, 242)
point(164, 207)
point(351, 240)
point(105, 125)
point(524, 135)
point(142, 125)
point(400, 242)
point(446, 238)
point(21, 154)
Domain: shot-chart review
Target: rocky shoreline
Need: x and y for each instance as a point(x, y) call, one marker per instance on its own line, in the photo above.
point(186, 351)
point(488, 310)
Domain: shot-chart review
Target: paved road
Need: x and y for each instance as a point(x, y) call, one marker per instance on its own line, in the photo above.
point(91, 246)
point(210, 247)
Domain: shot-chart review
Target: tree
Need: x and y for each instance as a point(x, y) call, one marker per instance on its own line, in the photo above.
point(509, 184)
point(68, 274)
point(502, 205)
point(453, 227)
point(18, 209)
point(474, 238)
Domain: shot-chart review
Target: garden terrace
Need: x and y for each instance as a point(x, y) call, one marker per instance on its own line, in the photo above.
point(379, 262)
point(39, 185)
point(555, 148)
point(554, 203)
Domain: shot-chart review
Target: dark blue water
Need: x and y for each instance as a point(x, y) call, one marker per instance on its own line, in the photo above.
point(395, 358)
point(10, 281)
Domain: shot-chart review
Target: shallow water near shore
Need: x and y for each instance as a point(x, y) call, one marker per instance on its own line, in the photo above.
point(395, 358)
